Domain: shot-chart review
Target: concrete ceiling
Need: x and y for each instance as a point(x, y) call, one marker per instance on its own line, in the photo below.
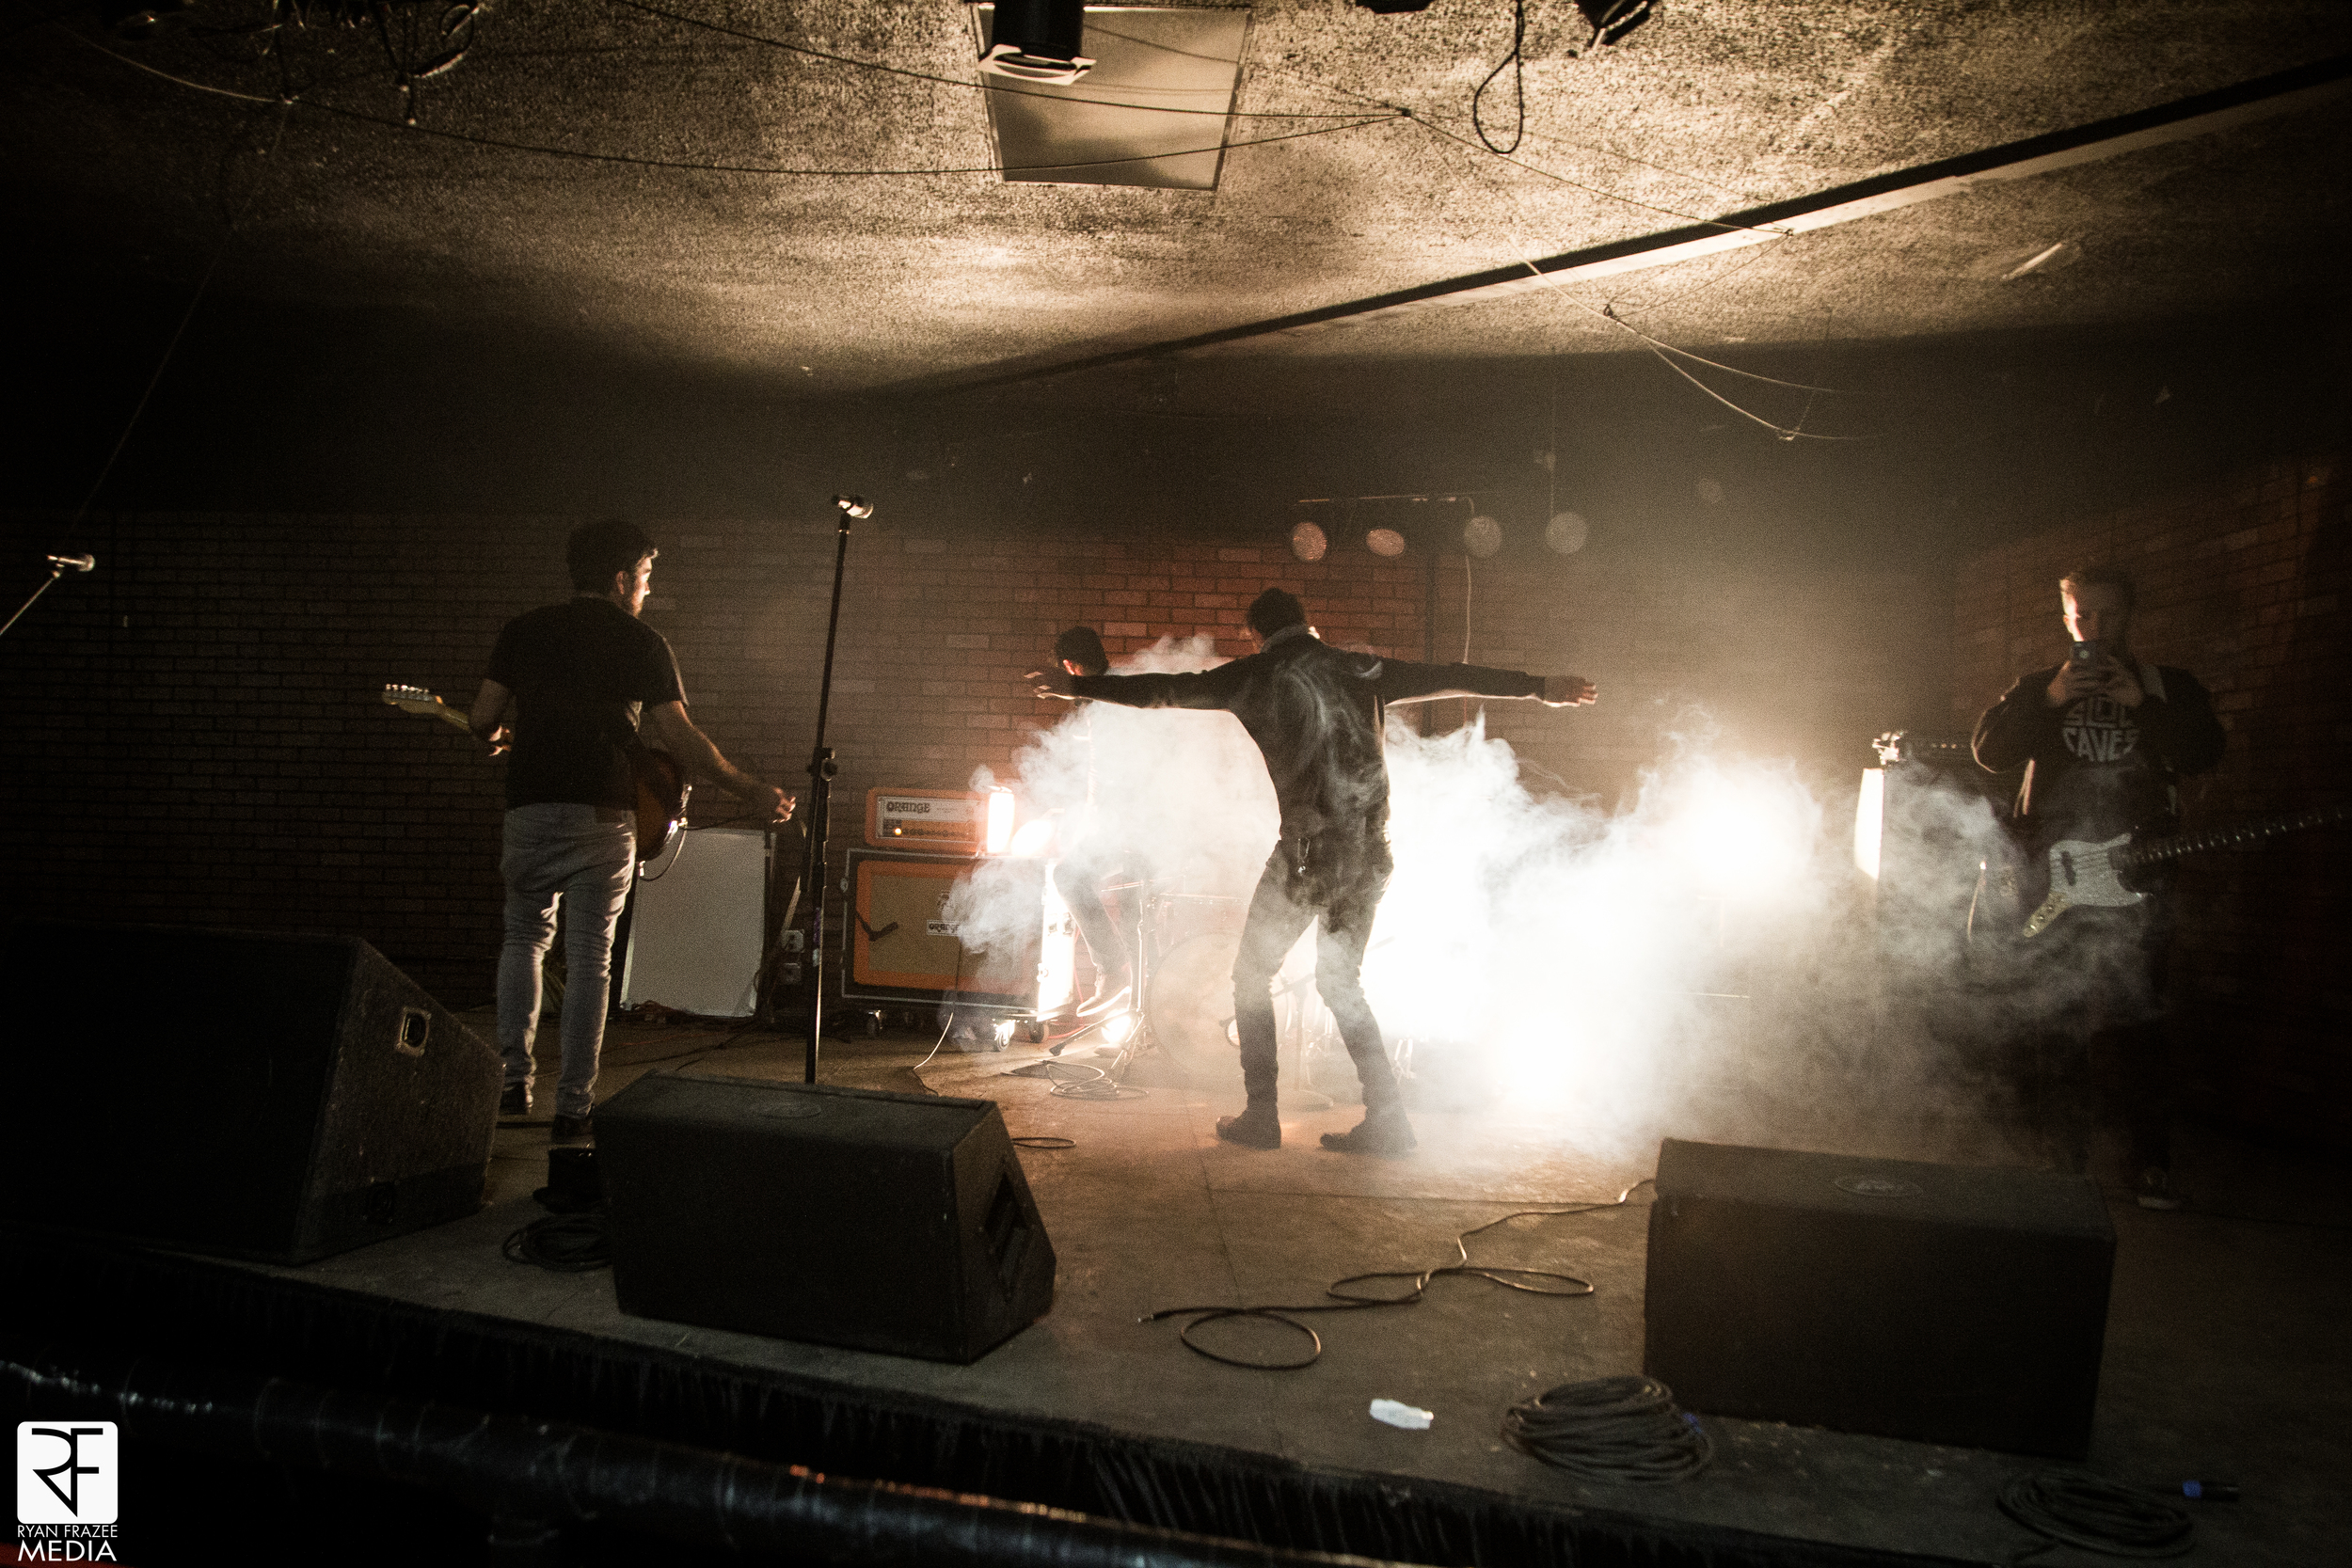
point(847, 282)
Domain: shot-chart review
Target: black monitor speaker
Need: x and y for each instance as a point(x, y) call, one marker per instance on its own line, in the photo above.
point(257, 1094)
point(886, 1222)
point(1942, 1303)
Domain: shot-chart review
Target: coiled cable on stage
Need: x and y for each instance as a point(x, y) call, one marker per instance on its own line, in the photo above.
point(2097, 1515)
point(568, 1244)
point(1623, 1430)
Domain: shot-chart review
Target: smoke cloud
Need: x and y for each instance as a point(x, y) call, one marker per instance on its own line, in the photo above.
point(1707, 962)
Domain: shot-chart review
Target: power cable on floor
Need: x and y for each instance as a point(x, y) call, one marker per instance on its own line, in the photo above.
point(567, 1244)
point(2097, 1515)
point(1344, 1300)
point(1619, 1430)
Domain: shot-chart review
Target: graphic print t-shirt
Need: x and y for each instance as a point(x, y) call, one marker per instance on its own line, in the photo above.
point(581, 673)
point(2107, 785)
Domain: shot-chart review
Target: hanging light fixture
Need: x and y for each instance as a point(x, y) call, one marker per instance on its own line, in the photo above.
point(1037, 40)
point(1567, 532)
point(1308, 542)
point(1482, 536)
point(1385, 542)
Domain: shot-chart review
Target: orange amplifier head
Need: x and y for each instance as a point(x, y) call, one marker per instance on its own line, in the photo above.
point(926, 821)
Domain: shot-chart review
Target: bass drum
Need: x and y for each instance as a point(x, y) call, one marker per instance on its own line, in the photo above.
point(1190, 1009)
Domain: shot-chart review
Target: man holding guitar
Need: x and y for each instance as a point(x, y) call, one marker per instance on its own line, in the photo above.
point(2104, 739)
point(570, 687)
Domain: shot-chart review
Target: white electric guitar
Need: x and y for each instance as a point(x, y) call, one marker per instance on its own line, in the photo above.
point(2084, 873)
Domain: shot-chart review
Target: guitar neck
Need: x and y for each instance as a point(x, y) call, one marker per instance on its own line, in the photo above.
point(2237, 837)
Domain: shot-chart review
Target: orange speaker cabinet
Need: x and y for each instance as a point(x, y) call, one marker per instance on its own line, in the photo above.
point(901, 945)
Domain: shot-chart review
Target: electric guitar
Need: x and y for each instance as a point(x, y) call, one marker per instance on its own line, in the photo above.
point(2099, 875)
point(662, 785)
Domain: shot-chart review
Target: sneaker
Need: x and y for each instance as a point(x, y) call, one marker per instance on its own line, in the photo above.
point(1379, 1132)
point(515, 1100)
point(2154, 1190)
point(1257, 1126)
point(574, 1130)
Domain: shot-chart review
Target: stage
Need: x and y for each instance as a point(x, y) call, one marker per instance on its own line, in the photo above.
point(2224, 1362)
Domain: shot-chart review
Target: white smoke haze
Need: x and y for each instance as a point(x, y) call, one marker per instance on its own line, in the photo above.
point(1705, 963)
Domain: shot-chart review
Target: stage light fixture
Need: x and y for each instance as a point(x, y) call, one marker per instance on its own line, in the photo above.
point(1567, 532)
point(1482, 536)
point(1308, 542)
point(1385, 542)
point(1037, 40)
point(1001, 810)
point(1610, 20)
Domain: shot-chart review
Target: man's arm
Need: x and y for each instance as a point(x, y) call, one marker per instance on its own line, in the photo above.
point(684, 741)
point(2179, 728)
point(1209, 688)
point(488, 717)
point(2022, 722)
point(1402, 682)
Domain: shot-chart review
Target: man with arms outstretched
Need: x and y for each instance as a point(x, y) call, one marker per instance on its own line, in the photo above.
point(1316, 713)
point(570, 688)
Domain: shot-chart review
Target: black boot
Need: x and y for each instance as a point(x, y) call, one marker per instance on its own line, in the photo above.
point(1380, 1133)
point(1259, 1126)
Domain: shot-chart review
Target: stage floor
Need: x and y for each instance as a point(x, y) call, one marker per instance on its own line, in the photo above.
point(2225, 1357)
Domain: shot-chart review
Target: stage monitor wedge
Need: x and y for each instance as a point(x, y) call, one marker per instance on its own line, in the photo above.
point(1942, 1303)
point(257, 1094)
point(899, 1222)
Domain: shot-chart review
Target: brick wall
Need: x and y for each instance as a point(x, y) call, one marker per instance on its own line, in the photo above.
point(200, 737)
point(2243, 584)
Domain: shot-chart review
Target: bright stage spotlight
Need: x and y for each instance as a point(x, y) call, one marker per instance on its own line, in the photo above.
point(1119, 1028)
point(1308, 542)
point(1385, 542)
point(1742, 839)
point(1482, 536)
point(1567, 532)
point(1033, 837)
point(1001, 810)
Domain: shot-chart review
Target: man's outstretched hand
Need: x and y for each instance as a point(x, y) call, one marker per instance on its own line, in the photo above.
point(1569, 691)
point(1052, 682)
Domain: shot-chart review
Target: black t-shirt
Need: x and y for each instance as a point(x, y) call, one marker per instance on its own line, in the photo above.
point(2095, 769)
point(580, 672)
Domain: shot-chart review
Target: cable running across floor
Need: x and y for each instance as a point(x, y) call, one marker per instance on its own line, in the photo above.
point(1346, 1301)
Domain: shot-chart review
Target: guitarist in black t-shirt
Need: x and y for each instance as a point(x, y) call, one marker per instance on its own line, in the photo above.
point(2104, 739)
point(570, 688)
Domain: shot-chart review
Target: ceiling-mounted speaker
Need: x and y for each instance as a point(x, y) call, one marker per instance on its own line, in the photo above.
point(1038, 41)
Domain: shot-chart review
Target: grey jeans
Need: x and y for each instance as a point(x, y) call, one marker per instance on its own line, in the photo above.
point(580, 858)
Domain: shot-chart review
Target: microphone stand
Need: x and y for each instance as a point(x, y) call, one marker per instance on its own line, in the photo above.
point(822, 769)
point(59, 566)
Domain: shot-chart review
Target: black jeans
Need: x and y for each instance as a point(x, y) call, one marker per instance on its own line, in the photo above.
point(1342, 885)
point(1080, 876)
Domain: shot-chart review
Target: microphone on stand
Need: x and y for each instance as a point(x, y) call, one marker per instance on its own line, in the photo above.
point(73, 563)
point(856, 506)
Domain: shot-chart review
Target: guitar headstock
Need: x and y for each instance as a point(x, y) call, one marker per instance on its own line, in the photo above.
point(413, 699)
